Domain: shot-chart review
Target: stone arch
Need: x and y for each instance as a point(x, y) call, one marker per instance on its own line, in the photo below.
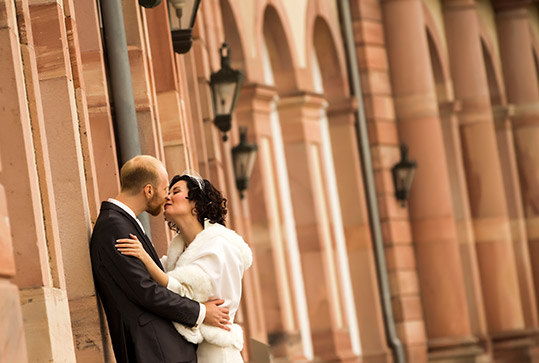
point(492, 66)
point(277, 35)
point(493, 85)
point(323, 38)
point(535, 51)
point(332, 66)
point(440, 79)
point(438, 57)
point(233, 30)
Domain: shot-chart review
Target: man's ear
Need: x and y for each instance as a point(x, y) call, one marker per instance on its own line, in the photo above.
point(148, 191)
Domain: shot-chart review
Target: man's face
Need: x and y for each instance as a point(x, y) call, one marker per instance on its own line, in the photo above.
point(155, 204)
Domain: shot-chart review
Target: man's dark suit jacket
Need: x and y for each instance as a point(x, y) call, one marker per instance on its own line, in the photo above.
point(139, 311)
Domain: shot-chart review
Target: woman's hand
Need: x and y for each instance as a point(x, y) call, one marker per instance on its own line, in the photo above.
point(132, 247)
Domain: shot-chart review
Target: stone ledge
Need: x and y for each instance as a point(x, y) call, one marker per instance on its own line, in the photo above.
point(47, 325)
point(12, 340)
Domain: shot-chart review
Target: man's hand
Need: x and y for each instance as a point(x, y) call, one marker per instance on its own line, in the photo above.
point(215, 315)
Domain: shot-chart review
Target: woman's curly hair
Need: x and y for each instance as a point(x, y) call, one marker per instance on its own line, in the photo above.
point(209, 202)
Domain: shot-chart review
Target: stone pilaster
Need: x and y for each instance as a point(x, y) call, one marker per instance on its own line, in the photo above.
point(300, 123)
point(483, 171)
point(433, 228)
point(12, 339)
point(92, 68)
point(281, 311)
point(523, 96)
point(62, 121)
point(26, 179)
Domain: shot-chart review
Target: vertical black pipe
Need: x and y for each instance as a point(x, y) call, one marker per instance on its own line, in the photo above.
point(127, 136)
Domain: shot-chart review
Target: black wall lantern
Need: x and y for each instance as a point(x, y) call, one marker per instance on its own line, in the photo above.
point(149, 3)
point(403, 175)
point(243, 156)
point(225, 88)
point(182, 15)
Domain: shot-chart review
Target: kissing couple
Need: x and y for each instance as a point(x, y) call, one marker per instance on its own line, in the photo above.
point(160, 310)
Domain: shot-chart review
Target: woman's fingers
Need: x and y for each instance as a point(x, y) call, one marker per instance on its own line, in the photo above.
point(128, 240)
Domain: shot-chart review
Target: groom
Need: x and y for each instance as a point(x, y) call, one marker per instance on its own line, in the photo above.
point(139, 311)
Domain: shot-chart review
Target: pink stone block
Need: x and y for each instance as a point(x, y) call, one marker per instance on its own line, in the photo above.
point(383, 132)
point(391, 208)
point(13, 346)
point(366, 9)
point(94, 79)
point(400, 257)
point(403, 282)
point(372, 57)
point(411, 332)
point(379, 108)
point(375, 82)
point(384, 181)
point(50, 41)
point(368, 31)
point(407, 308)
point(7, 263)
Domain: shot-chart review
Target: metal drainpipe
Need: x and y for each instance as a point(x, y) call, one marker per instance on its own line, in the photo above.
point(122, 88)
point(368, 175)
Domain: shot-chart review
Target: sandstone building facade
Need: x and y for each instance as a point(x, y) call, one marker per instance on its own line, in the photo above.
point(342, 271)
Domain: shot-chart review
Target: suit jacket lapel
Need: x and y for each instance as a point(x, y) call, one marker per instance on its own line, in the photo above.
point(148, 246)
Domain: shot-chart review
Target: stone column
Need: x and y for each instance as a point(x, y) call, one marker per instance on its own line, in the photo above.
point(268, 227)
point(461, 209)
point(63, 132)
point(12, 338)
point(517, 220)
point(25, 175)
point(431, 211)
point(519, 71)
point(483, 172)
point(93, 80)
point(300, 123)
point(355, 220)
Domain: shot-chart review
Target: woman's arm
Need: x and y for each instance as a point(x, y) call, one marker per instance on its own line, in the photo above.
point(133, 247)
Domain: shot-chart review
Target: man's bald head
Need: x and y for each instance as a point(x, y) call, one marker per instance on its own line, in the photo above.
point(138, 172)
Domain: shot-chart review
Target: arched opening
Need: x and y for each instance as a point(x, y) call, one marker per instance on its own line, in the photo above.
point(232, 36)
point(494, 89)
point(328, 62)
point(536, 62)
point(341, 165)
point(437, 70)
point(278, 51)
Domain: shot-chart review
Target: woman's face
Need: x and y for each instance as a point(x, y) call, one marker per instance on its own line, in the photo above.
point(177, 204)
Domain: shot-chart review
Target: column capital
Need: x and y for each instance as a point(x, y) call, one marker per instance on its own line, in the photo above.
point(300, 117)
point(503, 5)
point(259, 91)
point(256, 96)
point(346, 105)
point(255, 106)
point(458, 4)
point(304, 99)
point(502, 112)
point(449, 107)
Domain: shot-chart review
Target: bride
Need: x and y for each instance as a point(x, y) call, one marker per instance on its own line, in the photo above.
point(205, 260)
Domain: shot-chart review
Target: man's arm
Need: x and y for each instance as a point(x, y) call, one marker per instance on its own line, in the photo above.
point(211, 314)
point(131, 276)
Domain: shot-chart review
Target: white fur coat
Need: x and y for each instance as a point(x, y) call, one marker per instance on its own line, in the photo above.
point(212, 266)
